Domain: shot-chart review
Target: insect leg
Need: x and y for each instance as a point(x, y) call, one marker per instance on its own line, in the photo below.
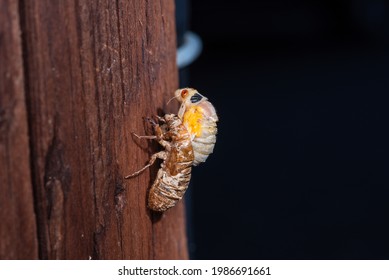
point(161, 155)
point(181, 111)
point(144, 136)
point(160, 136)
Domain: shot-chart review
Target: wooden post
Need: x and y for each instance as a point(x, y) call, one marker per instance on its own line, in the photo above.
point(93, 70)
point(18, 238)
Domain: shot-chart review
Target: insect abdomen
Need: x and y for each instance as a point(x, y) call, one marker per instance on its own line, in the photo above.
point(168, 190)
point(205, 138)
point(202, 149)
point(174, 176)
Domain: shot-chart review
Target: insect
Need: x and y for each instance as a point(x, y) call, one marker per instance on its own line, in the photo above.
point(199, 117)
point(174, 175)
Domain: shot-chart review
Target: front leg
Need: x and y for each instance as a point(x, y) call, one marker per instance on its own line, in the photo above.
point(160, 136)
point(158, 131)
point(181, 111)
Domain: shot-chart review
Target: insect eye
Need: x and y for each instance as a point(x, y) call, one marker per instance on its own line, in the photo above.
point(184, 93)
point(196, 98)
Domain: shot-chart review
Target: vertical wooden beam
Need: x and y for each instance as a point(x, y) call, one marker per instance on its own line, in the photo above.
point(93, 70)
point(18, 238)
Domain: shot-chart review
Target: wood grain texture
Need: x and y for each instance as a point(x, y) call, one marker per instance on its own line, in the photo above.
point(18, 238)
point(94, 69)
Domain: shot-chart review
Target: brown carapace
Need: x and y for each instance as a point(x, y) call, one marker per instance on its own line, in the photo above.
point(174, 175)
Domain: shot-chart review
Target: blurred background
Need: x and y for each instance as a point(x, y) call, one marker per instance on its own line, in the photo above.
point(301, 166)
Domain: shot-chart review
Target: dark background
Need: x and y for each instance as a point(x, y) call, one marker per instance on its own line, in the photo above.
point(300, 169)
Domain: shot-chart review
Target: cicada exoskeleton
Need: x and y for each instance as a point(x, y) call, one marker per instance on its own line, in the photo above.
point(174, 175)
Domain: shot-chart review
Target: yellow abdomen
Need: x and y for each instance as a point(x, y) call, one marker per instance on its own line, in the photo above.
point(201, 124)
point(193, 120)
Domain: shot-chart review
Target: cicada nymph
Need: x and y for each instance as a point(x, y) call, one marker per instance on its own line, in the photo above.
point(174, 175)
point(199, 117)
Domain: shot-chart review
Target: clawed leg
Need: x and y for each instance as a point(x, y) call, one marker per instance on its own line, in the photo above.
point(161, 155)
point(147, 136)
point(155, 119)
